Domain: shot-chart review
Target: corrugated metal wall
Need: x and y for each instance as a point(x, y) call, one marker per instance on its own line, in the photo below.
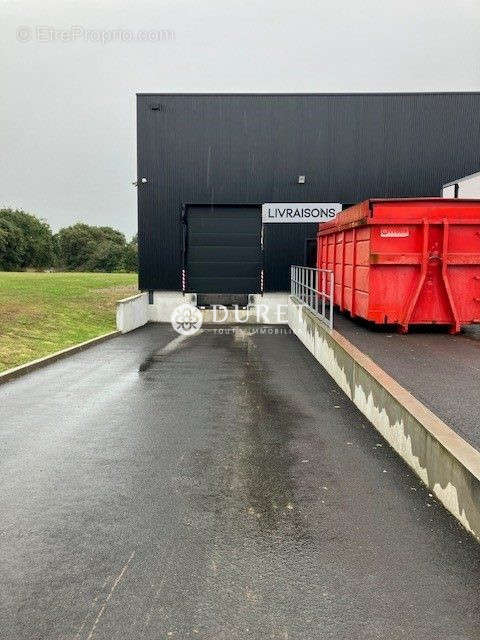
point(251, 148)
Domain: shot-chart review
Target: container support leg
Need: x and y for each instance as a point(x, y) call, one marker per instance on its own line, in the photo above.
point(455, 326)
point(423, 273)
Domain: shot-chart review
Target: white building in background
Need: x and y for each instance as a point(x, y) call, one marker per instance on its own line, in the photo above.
point(467, 187)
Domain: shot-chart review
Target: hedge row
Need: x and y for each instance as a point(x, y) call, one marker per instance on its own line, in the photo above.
point(26, 242)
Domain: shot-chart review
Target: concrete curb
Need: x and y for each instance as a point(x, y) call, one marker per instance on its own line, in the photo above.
point(23, 369)
point(444, 461)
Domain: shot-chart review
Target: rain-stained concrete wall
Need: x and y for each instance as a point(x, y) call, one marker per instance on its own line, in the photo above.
point(132, 312)
point(448, 465)
point(135, 311)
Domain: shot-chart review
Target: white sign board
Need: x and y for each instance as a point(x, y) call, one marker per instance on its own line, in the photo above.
point(300, 211)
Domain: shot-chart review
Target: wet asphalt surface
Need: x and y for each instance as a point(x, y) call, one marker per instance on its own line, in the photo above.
point(441, 370)
point(229, 490)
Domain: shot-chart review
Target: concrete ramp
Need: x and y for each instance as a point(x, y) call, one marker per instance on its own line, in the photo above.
point(229, 490)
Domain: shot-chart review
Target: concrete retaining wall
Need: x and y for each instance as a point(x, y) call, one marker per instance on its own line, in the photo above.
point(164, 303)
point(447, 464)
point(132, 312)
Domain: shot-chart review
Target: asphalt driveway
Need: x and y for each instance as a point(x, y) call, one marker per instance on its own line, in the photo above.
point(222, 487)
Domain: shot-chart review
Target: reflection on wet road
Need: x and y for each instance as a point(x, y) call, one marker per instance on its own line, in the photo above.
point(228, 490)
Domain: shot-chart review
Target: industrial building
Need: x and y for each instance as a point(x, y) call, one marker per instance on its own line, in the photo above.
point(208, 162)
point(466, 187)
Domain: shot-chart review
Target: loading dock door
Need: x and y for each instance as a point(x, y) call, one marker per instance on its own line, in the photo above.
point(223, 248)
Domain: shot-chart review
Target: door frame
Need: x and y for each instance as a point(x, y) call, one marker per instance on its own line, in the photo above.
point(184, 220)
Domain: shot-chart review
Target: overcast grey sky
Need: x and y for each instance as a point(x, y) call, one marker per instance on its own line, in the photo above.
point(67, 112)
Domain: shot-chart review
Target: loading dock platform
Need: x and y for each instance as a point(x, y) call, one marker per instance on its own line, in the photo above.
point(440, 370)
point(447, 464)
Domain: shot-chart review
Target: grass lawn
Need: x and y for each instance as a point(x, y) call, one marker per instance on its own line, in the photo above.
point(44, 312)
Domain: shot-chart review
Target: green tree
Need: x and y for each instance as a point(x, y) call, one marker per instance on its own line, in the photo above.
point(26, 241)
point(82, 247)
point(130, 255)
point(105, 256)
point(12, 249)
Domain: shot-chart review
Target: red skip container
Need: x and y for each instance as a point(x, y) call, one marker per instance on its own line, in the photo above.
point(406, 261)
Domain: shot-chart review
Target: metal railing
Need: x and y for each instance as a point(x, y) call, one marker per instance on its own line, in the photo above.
point(314, 288)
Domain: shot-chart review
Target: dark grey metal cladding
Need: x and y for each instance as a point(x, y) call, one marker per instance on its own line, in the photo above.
point(223, 249)
point(252, 148)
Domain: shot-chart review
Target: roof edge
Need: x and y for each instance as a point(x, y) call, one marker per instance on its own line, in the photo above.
point(313, 93)
point(470, 175)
